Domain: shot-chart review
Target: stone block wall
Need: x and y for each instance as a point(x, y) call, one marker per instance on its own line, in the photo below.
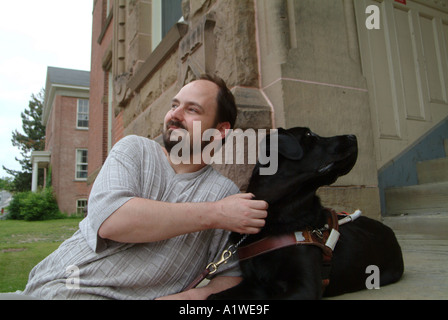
point(289, 63)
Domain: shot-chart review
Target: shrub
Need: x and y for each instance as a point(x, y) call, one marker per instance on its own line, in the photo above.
point(34, 206)
point(14, 208)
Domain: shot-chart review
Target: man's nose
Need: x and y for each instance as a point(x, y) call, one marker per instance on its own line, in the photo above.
point(177, 113)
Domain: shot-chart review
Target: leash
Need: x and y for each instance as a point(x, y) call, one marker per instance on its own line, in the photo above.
point(213, 267)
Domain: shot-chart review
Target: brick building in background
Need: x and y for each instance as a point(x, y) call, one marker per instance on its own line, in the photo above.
point(66, 117)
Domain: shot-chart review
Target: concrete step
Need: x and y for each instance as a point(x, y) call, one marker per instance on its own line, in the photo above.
point(429, 198)
point(432, 171)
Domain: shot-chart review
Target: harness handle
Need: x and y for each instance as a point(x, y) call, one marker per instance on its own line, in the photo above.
point(350, 217)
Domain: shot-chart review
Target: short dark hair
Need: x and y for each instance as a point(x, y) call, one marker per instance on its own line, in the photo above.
point(227, 110)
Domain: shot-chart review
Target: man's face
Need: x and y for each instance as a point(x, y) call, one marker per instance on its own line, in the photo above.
point(195, 102)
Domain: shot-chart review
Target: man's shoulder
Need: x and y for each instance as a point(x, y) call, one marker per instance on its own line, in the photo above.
point(134, 139)
point(133, 143)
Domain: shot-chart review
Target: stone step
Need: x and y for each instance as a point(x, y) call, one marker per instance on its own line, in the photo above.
point(430, 198)
point(432, 171)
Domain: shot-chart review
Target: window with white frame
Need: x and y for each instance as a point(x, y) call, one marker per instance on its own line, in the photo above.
point(165, 14)
point(81, 206)
point(108, 6)
point(82, 116)
point(81, 164)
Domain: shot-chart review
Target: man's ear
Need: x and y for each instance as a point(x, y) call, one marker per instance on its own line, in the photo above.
point(222, 127)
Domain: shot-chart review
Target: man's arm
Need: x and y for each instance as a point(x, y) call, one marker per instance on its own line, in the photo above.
point(215, 285)
point(142, 220)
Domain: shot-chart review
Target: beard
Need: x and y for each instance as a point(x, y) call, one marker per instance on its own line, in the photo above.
point(169, 142)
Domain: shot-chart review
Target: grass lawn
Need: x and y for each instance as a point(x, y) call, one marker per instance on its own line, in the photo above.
point(24, 244)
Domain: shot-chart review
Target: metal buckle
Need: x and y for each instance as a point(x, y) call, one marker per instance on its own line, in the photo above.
point(213, 267)
point(318, 233)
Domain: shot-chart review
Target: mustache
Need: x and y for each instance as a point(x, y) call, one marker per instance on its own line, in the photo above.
point(175, 124)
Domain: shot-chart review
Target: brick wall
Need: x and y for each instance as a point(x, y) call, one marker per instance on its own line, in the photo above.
point(102, 32)
point(64, 139)
point(118, 129)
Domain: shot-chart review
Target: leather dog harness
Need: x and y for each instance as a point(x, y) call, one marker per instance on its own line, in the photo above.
point(317, 237)
point(324, 238)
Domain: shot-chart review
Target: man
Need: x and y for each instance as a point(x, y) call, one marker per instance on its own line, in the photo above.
point(154, 225)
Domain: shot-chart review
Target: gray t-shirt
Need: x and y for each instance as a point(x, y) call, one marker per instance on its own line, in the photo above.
point(89, 267)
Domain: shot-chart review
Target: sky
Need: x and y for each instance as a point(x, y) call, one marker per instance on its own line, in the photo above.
point(35, 35)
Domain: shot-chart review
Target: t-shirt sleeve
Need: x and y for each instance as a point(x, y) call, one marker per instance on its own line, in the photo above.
point(116, 184)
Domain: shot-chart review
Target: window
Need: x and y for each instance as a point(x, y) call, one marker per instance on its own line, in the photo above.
point(82, 117)
point(108, 7)
point(81, 206)
point(165, 14)
point(81, 164)
point(171, 13)
point(156, 30)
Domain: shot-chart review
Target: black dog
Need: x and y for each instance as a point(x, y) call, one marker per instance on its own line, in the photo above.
point(305, 163)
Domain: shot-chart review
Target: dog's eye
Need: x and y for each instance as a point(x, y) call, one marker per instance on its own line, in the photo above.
point(308, 134)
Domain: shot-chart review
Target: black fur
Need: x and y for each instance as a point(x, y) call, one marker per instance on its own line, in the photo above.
point(305, 163)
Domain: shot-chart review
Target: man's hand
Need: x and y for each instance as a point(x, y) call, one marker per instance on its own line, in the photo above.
point(239, 213)
point(216, 285)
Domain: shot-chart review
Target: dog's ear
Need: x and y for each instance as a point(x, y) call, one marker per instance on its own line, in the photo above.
point(286, 145)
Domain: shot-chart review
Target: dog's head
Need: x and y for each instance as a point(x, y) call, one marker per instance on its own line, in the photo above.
point(306, 162)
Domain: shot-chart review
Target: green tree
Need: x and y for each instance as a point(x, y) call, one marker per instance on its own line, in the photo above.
point(6, 183)
point(32, 139)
